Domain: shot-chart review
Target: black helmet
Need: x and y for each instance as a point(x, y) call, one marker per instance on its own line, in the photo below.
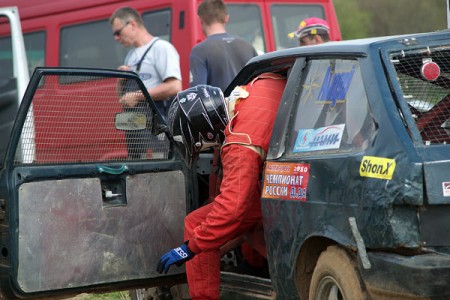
point(197, 118)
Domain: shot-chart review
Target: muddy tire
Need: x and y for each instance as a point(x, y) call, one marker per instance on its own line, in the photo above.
point(336, 277)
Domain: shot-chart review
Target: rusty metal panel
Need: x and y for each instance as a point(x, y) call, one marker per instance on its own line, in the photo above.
point(69, 238)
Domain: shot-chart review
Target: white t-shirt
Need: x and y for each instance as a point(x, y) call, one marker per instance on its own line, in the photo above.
point(160, 63)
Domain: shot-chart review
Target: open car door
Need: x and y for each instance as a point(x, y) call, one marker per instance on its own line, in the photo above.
point(91, 194)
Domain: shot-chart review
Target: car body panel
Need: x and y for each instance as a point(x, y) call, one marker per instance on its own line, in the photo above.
point(339, 189)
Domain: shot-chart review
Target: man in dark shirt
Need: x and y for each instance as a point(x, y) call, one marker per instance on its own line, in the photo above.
point(218, 59)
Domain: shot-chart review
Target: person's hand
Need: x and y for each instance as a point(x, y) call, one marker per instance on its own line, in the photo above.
point(130, 99)
point(177, 256)
point(124, 68)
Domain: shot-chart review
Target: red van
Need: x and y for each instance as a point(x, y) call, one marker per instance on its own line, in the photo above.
point(77, 33)
point(74, 33)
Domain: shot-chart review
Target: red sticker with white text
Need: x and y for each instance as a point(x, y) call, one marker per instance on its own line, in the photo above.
point(287, 181)
point(446, 189)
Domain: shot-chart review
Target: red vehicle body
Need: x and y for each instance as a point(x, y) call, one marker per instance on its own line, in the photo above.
point(73, 33)
point(58, 22)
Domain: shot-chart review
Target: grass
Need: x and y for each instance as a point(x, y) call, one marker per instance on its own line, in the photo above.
point(112, 296)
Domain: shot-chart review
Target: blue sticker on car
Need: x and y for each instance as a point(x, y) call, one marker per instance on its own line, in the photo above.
point(335, 87)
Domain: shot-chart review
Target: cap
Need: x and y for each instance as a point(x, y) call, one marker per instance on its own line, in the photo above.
point(310, 26)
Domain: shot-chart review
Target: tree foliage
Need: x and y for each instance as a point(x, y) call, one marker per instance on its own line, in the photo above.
point(370, 18)
point(354, 22)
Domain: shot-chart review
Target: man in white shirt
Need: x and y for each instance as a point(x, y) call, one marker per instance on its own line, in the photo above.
point(157, 63)
point(160, 67)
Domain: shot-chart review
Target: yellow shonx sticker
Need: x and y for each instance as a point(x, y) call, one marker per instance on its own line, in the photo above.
point(377, 167)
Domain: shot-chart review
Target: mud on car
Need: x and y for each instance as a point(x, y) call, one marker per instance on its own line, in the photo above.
point(355, 190)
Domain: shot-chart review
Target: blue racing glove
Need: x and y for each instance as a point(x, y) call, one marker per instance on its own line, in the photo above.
point(177, 256)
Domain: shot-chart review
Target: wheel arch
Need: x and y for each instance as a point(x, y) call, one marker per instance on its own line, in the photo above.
point(307, 260)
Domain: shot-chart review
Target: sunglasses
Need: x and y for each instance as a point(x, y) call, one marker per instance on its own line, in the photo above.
point(118, 31)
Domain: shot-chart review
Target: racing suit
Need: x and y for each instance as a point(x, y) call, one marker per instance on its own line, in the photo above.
point(236, 210)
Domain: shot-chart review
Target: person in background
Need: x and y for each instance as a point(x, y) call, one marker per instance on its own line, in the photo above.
point(155, 60)
point(242, 125)
point(157, 63)
point(218, 59)
point(312, 31)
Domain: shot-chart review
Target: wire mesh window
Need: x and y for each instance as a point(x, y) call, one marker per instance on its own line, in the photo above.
point(424, 78)
point(76, 123)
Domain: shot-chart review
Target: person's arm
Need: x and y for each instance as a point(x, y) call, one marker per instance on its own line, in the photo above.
point(168, 68)
point(121, 81)
point(168, 88)
point(160, 92)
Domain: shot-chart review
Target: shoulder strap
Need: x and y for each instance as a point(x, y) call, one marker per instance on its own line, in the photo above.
point(138, 66)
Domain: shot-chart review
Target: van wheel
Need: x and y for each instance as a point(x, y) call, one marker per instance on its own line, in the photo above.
point(336, 277)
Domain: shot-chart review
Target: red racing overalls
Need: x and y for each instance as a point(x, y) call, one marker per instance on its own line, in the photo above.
point(236, 210)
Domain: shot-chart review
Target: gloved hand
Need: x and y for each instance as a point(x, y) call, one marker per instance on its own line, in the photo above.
point(177, 256)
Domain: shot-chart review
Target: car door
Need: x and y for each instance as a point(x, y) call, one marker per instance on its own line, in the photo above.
point(79, 210)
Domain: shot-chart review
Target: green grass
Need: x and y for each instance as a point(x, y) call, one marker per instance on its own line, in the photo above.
point(112, 296)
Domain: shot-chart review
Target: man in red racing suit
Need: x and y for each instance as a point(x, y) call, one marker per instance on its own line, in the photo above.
point(236, 210)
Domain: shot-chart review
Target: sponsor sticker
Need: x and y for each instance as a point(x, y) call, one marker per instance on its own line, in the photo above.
point(287, 181)
point(335, 86)
point(323, 138)
point(377, 167)
point(446, 189)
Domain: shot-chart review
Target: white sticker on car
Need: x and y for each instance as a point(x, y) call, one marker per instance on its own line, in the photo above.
point(323, 138)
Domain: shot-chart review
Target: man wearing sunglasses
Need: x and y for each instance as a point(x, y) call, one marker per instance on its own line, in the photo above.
point(155, 60)
point(157, 63)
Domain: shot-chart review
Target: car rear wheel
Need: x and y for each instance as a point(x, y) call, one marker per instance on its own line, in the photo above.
point(336, 277)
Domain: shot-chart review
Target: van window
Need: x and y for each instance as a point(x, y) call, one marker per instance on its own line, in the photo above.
point(90, 45)
point(6, 61)
point(35, 51)
point(286, 18)
point(158, 23)
point(246, 22)
point(332, 113)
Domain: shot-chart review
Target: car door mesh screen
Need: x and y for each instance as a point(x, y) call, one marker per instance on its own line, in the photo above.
point(424, 78)
point(75, 123)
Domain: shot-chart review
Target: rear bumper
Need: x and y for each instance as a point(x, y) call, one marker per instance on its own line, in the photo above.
point(425, 275)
